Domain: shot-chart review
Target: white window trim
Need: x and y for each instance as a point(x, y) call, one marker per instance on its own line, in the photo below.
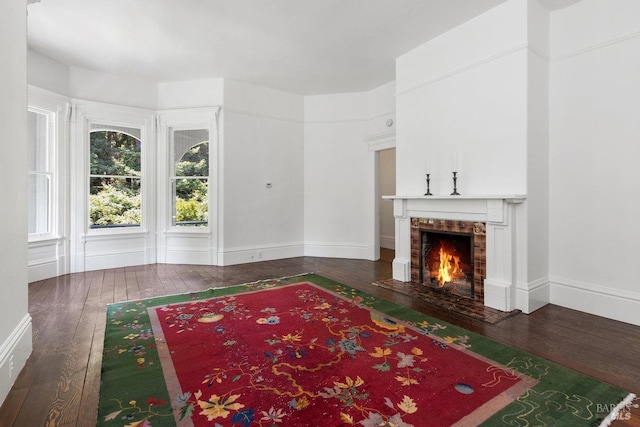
point(55, 108)
point(183, 119)
point(86, 113)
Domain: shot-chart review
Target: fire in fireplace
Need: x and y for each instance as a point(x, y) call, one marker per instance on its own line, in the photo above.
point(449, 256)
point(447, 262)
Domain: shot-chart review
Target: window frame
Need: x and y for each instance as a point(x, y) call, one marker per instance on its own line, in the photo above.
point(113, 128)
point(173, 178)
point(51, 144)
point(85, 116)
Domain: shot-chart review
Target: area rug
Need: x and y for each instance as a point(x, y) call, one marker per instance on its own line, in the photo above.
point(309, 351)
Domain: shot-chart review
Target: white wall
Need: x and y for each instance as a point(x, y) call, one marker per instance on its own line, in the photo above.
point(533, 281)
point(340, 193)
point(15, 321)
point(46, 73)
point(465, 93)
point(191, 94)
point(262, 142)
point(118, 89)
point(594, 151)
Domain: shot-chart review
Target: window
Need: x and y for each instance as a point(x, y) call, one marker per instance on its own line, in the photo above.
point(39, 140)
point(115, 177)
point(190, 180)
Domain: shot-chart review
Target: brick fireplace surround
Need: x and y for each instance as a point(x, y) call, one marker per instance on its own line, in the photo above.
point(475, 229)
point(498, 213)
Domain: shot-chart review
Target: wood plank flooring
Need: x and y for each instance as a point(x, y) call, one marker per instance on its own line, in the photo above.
point(59, 385)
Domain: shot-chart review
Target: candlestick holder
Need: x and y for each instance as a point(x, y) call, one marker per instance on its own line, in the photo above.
point(455, 184)
point(428, 193)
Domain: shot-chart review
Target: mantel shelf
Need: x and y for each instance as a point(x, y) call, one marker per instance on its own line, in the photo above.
point(510, 198)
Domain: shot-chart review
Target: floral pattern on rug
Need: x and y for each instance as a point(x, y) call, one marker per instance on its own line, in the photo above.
point(284, 353)
point(299, 353)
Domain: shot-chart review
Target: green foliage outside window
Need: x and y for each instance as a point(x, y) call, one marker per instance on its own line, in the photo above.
point(113, 206)
point(114, 189)
point(192, 185)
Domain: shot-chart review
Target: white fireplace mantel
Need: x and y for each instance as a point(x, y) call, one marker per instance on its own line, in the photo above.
point(499, 212)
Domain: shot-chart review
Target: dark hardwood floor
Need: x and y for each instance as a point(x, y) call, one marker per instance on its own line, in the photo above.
point(60, 383)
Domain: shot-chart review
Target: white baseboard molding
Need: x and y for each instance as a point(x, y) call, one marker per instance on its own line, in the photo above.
point(244, 255)
point(602, 301)
point(187, 256)
point(42, 270)
point(337, 250)
point(105, 260)
point(14, 353)
point(388, 242)
point(535, 295)
point(497, 294)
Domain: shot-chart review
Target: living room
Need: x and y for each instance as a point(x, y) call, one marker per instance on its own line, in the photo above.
point(529, 103)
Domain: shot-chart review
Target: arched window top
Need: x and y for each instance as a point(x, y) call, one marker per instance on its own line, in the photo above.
point(134, 132)
point(195, 161)
point(185, 140)
point(113, 152)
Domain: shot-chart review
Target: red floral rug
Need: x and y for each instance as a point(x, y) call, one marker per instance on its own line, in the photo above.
point(300, 354)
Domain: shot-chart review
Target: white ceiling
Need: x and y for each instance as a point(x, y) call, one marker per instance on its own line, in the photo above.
point(300, 46)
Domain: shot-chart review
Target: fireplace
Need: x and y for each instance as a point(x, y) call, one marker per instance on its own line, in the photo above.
point(449, 256)
point(498, 225)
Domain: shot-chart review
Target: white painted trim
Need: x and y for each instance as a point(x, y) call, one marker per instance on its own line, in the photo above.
point(192, 256)
point(247, 254)
point(14, 352)
point(329, 121)
point(595, 299)
point(115, 259)
point(337, 250)
point(388, 242)
point(264, 116)
point(534, 296)
point(384, 141)
point(597, 46)
point(497, 294)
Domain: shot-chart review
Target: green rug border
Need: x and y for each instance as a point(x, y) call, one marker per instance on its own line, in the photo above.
point(599, 393)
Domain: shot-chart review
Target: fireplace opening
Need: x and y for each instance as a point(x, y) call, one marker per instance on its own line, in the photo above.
point(466, 240)
point(447, 262)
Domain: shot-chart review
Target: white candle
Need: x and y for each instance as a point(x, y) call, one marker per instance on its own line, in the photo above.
point(427, 165)
point(455, 162)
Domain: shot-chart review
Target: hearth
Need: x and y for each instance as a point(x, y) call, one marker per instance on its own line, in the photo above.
point(449, 256)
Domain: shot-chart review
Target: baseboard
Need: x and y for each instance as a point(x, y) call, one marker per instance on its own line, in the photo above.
point(388, 242)
point(14, 353)
point(42, 270)
point(535, 295)
point(105, 260)
point(337, 250)
point(497, 294)
point(243, 255)
point(595, 299)
point(187, 256)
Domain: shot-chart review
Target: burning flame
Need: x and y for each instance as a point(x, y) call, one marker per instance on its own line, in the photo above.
point(449, 267)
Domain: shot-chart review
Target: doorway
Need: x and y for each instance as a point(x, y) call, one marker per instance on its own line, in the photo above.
point(386, 175)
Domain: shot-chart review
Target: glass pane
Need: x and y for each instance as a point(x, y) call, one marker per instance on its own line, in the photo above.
point(191, 205)
point(114, 202)
point(37, 141)
point(114, 153)
point(38, 195)
point(184, 140)
point(195, 161)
